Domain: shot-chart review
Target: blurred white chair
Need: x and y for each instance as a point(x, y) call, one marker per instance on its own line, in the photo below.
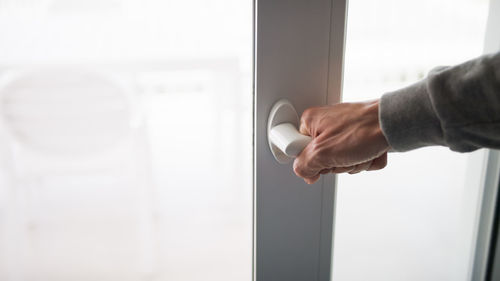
point(79, 160)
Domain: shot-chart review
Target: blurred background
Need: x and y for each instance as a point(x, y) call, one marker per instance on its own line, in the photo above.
point(414, 220)
point(125, 140)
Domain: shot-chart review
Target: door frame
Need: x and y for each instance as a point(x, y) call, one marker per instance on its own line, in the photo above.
point(486, 255)
point(299, 50)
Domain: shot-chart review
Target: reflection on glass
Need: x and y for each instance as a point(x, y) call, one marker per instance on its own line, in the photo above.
point(415, 219)
point(125, 140)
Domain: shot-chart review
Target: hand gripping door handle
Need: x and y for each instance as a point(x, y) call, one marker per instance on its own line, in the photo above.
point(284, 139)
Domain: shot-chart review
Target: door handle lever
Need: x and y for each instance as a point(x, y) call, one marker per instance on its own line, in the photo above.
point(284, 139)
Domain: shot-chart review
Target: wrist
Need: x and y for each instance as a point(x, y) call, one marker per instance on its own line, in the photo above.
point(373, 114)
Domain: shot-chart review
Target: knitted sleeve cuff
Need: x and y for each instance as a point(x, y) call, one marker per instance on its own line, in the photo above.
point(408, 119)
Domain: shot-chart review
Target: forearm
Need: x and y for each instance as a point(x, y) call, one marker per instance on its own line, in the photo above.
point(458, 107)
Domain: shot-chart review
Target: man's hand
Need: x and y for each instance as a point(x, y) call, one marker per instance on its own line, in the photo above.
point(346, 138)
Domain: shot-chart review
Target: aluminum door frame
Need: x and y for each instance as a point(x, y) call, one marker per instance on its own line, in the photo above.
point(299, 49)
point(486, 255)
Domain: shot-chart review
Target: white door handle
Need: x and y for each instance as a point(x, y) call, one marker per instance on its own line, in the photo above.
point(284, 139)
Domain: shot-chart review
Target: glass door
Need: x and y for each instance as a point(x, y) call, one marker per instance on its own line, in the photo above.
point(126, 140)
point(416, 219)
point(133, 142)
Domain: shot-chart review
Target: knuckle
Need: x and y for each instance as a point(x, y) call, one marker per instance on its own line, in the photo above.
point(379, 163)
point(297, 168)
point(307, 113)
point(315, 146)
point(318, 150)
point(383, 161)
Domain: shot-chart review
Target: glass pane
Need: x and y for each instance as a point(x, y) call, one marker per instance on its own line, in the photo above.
point(125, 140)
point(415, 219)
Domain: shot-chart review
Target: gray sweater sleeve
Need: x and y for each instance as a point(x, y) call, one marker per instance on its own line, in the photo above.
point(457, 107)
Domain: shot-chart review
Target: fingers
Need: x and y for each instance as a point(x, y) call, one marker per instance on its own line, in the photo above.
point(316, 178)
point(307, 165)
point(372, 165)
point(378, 163)
point(305, 121)
point(361, 167)
point(303, 165)
point(304, 128)
point(311, 180)
point(340, 170)
point(325, 171)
